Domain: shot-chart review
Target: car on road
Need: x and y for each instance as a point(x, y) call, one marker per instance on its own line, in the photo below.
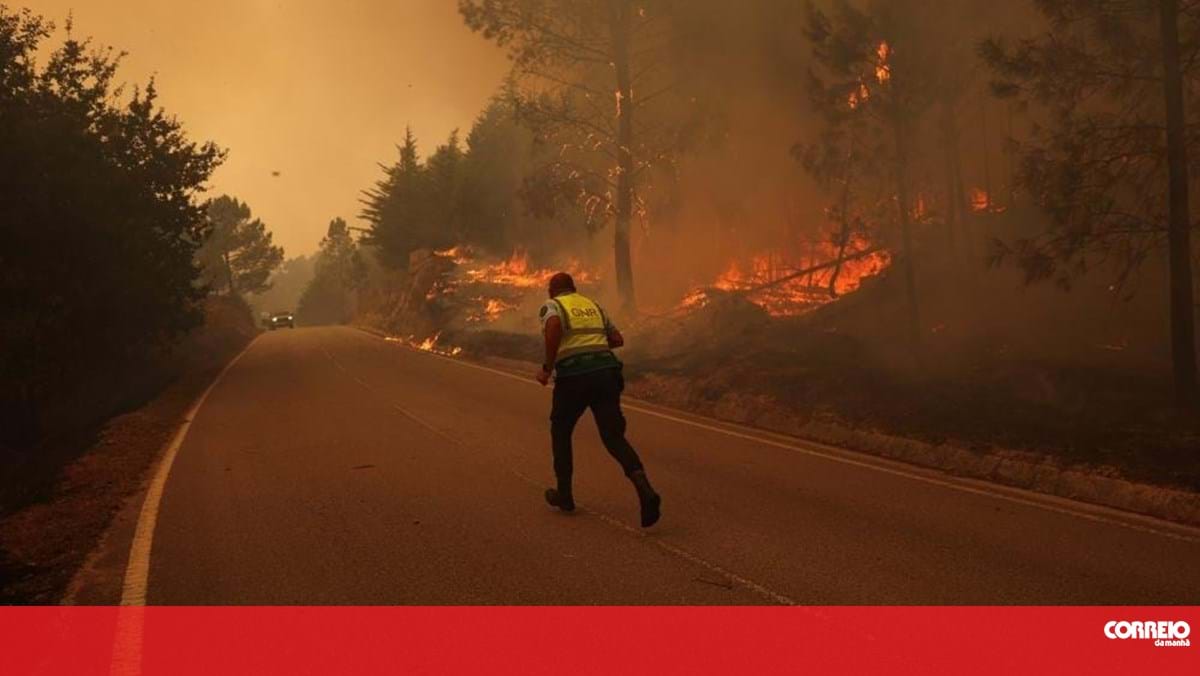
point(281, 319)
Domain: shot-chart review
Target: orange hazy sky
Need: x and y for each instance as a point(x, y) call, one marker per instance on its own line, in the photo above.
point(318, 90)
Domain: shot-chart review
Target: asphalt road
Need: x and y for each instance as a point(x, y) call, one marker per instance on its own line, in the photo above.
point(331, 467)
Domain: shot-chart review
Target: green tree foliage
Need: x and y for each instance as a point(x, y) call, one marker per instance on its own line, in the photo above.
point(494, 169)
point(340, 270)
point(1110, 163)
point(444, 173)
point(99, 222)
point(471, 195)
point(498, 207)
point(238, 254)
point(397, 208)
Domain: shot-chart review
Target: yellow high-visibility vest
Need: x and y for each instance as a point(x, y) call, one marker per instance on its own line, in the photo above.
point(583, 326)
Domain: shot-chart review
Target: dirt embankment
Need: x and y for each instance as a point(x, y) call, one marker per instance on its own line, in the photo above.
point(1063, 393)
point(1055, 375)
point(398, 303)
point(56, 500)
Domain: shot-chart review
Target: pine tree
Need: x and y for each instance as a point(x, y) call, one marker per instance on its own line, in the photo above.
point(875, 78)
point(595, 81)
point(340, 270)
point(1111, 164)
point(396, 207)
point(444, 196)
point(238, 253)
point(499, 155)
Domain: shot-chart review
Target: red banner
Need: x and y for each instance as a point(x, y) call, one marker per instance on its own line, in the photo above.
point(531, 640)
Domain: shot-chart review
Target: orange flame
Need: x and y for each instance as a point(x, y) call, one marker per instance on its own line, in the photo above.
point(459, 254)
point(429, 344)
point(883, 70)
point(883, 75)
point(492, 309)
point(768, 276)
point(498, 287)
point(980, 200)
point(858, 96)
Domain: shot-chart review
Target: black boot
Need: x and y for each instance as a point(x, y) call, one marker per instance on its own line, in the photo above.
point(560, 499)
point(651, 502)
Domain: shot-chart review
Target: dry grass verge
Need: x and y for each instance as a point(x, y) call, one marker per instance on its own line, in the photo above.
point(60, 500)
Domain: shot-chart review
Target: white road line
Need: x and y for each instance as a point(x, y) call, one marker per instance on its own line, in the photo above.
point(137, 571)
point(832, 453)
point(684, 554)
point(746, 583)
point(397, 407)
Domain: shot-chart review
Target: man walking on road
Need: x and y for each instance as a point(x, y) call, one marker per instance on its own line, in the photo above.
point(579, 345)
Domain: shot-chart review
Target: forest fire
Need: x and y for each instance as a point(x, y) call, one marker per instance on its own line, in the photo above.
point(515, 271)
point(907, 297)
point(488, 291)
point(788, 286)
point(883, 74)
point(883, 70)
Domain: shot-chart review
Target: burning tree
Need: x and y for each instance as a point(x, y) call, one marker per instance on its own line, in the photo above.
point(843, 165)
point(592, 74)
point(875, 78)
point(1111, 167)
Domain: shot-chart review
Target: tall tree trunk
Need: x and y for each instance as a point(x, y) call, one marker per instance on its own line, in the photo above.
point(229, 273)
point(908, 266)
point(1010, 161)
point(987, 161)
point(953, 208)
point(843, 236)
point(965, 215)
point(959, 218)
point(1183, 336)
point(620, 23)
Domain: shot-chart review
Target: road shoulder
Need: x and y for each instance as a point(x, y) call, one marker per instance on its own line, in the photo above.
point(1002, 468)
point(72, 547)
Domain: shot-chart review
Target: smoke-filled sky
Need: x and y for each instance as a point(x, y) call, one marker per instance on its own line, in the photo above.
point(318, 90)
